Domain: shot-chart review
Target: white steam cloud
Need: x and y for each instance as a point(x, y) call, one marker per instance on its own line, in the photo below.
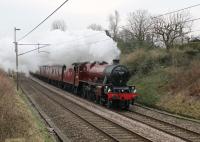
point(66, 48)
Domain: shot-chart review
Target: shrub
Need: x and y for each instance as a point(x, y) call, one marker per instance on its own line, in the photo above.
point(143, 61)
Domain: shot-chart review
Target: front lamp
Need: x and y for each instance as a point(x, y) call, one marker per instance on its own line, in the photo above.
point(134, 89)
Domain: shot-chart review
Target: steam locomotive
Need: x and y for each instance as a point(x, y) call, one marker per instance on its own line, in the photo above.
point(100, 82)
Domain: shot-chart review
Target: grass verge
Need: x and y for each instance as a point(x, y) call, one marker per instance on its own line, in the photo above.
point(17, 121)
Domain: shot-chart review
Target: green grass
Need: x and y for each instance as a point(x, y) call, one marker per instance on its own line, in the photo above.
point(150, 87)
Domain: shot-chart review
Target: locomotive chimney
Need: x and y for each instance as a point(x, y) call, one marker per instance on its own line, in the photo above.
point(115, 61)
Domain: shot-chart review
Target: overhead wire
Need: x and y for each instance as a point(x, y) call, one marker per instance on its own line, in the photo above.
point(99, 33)
point(91, 43)
point(92, 35)
point(32, 50)
point(177, 10)
point(72, 41)
point(67, 1)
point(191, 20)
point(172, 13)
point(43, 21)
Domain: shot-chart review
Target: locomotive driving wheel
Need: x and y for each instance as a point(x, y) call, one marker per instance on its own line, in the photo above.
point(109, 104)
point(83, 94)
point(98, 99)
point(103, 101)
point(125, 105)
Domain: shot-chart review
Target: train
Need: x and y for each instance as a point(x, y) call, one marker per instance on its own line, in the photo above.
point(100, 82)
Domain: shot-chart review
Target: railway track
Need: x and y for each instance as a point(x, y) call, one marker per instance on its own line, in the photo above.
point(169, 128)
point(109, 128)
point(69, 125)
point(112, 130)
point(180, 121)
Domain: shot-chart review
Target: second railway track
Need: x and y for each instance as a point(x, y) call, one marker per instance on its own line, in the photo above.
point(175, 130)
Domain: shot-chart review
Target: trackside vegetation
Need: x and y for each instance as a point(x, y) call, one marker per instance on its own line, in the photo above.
point(18, 123)
point(167, 79)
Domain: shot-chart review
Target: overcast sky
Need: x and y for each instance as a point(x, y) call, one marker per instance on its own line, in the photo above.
point(78, 14)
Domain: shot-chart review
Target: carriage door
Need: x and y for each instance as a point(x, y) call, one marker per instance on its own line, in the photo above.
point(76, 75)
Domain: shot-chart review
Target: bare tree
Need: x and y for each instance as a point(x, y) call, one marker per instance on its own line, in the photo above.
point(95, 27)
point(114, 24)
point(139, 25)
point(171, 28)
point(59, 25)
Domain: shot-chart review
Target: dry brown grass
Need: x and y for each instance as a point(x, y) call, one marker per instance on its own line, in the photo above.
point(186, 79)
point(16, 120)
point(141, 54)
point(181, 104)
point(184, 91)
point(133, 56)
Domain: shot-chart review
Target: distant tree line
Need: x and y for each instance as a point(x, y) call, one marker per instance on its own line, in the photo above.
point(144, 30)
point(141, 29)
